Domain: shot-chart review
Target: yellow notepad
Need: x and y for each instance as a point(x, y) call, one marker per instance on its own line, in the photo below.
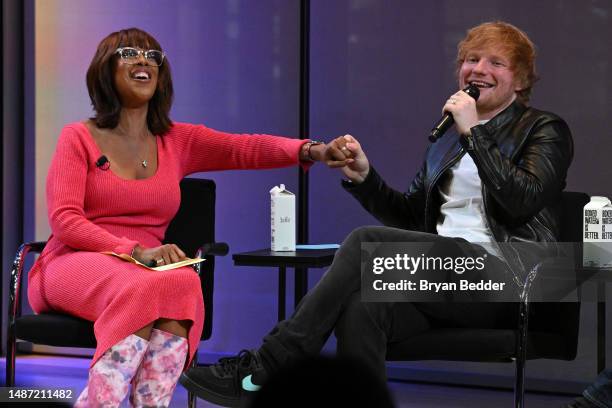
point(185, 262)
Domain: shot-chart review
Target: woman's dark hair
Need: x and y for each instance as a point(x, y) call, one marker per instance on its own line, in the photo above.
point(101, 83)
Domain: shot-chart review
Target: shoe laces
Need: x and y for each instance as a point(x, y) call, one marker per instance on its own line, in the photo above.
point(230, 365)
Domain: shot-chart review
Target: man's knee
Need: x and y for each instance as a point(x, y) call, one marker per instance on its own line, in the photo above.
point(377, 233)
point(368, 233)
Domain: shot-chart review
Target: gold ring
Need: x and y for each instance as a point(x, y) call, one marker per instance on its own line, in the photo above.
point(159, 261)
point(343, 148)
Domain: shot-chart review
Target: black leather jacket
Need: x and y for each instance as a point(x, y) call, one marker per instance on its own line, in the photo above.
point(522, 156)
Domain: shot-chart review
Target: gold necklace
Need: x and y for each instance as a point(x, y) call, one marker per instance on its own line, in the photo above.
point(143, 162)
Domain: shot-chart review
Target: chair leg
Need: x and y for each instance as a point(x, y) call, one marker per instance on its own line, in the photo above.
point(521, 342)
point(10, 356)
point(519, 385)
point(191, 397)
point(521, 356)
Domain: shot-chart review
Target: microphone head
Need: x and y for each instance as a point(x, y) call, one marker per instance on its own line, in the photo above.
point(103, 163)
point(473, 91)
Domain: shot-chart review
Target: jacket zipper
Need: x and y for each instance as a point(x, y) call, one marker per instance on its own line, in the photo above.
point(448, 165)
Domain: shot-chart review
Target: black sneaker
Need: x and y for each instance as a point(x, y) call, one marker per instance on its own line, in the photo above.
point(228, 383)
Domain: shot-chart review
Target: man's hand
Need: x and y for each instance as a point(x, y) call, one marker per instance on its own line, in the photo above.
point(161, 255)
point(358, 166)
point(463, 108)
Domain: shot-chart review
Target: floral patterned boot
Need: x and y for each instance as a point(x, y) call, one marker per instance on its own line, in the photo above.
point(110, 376)
point(154, 383)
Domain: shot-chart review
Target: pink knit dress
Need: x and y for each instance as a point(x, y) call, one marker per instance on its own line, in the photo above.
point(92, 210)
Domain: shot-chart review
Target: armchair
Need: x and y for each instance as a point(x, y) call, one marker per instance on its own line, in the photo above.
point(192, 229)
point(544, 330)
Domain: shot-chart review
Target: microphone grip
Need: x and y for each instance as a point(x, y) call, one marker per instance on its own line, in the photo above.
point(447, 120)
point(445, 123)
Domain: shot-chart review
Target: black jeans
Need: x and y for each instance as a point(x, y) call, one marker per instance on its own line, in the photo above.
point(363, 329)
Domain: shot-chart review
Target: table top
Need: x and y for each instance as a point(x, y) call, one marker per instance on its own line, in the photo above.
point(307, 258)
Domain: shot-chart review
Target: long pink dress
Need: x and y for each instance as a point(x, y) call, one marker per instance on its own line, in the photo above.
point(92, 210)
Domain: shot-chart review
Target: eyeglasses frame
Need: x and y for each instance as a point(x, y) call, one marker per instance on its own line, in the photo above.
point(140, 52)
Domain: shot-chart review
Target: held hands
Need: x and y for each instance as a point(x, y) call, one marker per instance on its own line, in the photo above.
point(343, 152)
point(158, 256)
point(463, 108)
point(357, 167)
point(331, 154)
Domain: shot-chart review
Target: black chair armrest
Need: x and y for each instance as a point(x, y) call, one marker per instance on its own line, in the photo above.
point(214, 249)
point(210, 249)
point(16, 276)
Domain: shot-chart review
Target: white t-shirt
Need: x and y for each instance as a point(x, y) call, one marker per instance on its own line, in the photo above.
point(462, 212)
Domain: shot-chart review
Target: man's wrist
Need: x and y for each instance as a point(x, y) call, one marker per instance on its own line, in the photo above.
point(358, 178)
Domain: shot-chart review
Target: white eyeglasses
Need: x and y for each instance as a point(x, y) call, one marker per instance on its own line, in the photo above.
point(130, 55)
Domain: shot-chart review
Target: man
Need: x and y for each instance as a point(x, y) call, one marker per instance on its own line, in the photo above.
point(502, 190)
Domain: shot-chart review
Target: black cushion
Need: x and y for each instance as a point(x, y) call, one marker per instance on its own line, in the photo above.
point(55, 330)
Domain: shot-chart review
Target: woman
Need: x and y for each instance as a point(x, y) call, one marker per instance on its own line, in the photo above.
point(113, 186)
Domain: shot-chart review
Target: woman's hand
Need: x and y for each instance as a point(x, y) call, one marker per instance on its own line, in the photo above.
point(158, 256)
point(357, 165)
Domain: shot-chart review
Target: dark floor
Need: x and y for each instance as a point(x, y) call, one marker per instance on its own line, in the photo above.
point(71, 373)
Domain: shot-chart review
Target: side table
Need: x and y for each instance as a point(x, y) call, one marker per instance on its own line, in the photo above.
point(300, 260)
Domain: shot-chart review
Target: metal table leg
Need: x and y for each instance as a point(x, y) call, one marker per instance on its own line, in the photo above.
point(601, 327)
point(282, 282)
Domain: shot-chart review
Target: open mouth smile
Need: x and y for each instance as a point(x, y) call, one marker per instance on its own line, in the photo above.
point(141, 75)
point(481, 84)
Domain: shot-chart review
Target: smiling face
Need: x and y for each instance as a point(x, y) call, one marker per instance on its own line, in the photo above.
point(491, 72)
point(135, 83)
point(500, 58)
point(114, 83)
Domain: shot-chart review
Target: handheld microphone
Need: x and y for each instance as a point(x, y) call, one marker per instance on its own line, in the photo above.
point(447, 120)
point(103, 163)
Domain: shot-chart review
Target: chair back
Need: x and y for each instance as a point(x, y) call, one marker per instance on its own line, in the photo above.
point(562, 317)
point(570, 210)
point(192, 226)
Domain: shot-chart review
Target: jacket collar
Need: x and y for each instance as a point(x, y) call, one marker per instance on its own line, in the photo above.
point(515, 109)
